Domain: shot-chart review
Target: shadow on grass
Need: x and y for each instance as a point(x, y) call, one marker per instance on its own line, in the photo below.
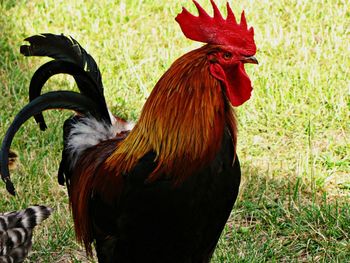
point(277, 220)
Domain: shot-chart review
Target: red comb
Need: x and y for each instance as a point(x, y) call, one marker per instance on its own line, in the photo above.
point(217, 30)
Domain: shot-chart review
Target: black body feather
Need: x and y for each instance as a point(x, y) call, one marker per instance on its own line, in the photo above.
point(158, 222)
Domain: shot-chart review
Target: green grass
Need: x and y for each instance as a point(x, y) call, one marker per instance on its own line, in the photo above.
point(293, 134)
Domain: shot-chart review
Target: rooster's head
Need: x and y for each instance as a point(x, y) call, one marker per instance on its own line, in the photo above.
point(232, 46)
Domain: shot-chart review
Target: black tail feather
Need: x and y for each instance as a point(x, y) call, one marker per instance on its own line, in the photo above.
point(63, 48)
point(69, 55)
point(51, 100)
point(86, 85)
point(69, 58)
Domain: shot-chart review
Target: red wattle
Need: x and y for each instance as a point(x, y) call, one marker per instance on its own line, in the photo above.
point(237, 84)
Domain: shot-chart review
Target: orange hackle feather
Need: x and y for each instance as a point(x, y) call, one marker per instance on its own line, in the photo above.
point(182, 121)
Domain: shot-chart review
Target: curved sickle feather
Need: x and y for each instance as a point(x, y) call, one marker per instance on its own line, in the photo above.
point(51, 100)
point(61, 47)
point(85, 83)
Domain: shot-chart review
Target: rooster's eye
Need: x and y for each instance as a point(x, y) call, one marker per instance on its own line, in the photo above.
point(227, 55)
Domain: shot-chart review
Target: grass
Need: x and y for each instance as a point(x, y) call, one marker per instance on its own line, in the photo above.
point(293, 133)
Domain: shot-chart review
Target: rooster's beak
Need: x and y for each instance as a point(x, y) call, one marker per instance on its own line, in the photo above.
point(250, 59)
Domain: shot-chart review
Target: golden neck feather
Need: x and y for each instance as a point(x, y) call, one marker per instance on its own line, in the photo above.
point(183, 121)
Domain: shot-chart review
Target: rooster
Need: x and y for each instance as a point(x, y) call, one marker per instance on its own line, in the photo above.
point(163, 189)
point(16, 230)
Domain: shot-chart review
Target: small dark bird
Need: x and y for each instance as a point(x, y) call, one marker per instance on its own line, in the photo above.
point(160, 190)
point(16, 230)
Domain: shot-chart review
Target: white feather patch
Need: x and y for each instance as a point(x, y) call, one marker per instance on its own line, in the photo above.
point(88, 132)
